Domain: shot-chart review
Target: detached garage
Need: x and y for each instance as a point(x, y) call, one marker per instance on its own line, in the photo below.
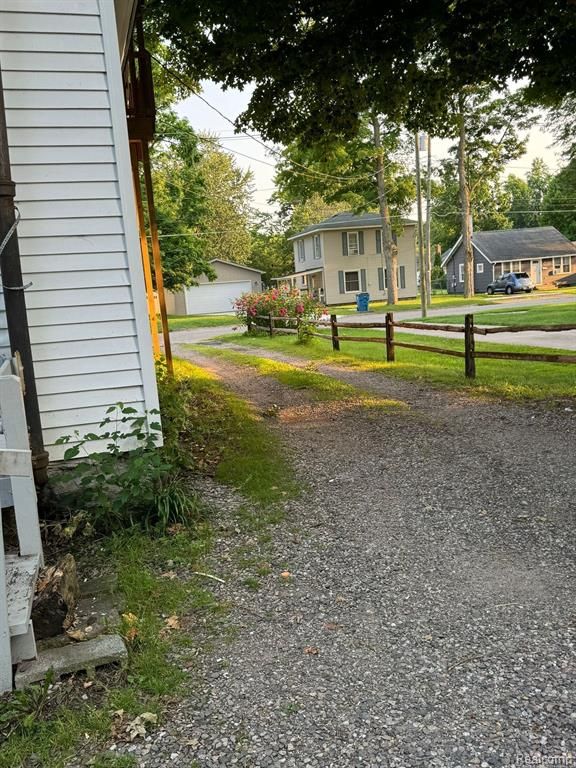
point(216, 297)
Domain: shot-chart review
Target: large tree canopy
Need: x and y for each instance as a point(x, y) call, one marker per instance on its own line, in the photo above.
point(317, 66)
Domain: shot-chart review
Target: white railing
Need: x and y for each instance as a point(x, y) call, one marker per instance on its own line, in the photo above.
point(18, 570)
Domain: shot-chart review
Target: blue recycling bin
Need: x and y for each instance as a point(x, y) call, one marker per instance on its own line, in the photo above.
point(362, 302)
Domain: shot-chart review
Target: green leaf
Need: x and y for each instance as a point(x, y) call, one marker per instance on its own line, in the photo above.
point(71, 453)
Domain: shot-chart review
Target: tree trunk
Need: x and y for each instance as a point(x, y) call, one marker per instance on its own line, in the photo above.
point(389, 248)
point(465, 204)
point(56, 597)
point(421, 258)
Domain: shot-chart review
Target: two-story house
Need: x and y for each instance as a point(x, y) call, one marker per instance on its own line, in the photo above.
point(342, 256)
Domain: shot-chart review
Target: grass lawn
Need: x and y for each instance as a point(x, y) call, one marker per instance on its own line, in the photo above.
point(511, 379)
point(318, 385)
point(161, 587)
point(551, 314)
point(405, 305)
point(200, 321)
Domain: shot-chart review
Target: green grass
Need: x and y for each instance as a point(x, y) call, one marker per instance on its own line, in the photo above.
point(551, 314)
point(177, 323)
point(228, 437)
point(319, 386)
point(511, 379)
point(405, 305)
point(156, 580)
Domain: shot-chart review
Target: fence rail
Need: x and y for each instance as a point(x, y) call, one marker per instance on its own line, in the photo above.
point(469, 329)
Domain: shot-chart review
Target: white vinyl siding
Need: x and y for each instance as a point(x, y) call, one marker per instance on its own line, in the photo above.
point(78, 237)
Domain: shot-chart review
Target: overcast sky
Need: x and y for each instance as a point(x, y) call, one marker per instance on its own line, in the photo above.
point(232, 102)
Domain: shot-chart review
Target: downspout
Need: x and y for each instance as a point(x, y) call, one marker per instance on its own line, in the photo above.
point(15, 301)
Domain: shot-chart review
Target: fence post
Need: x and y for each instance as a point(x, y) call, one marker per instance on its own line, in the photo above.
point(249, 324)
point(270, 323)
point(390, 353)
point(334, 328)
point(469, 359)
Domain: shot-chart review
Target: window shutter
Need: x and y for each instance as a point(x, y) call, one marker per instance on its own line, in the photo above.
point(362, 280)
point(378, 241)
point(341, 281)
point(344, 246)
point(402, 277)
point(380, 279)
point(385, 278)
point(361, 243)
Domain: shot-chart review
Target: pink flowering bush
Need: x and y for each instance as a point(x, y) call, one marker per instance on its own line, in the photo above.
point(282, 302)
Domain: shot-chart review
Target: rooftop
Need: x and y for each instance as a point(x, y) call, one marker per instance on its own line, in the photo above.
point(347, 220)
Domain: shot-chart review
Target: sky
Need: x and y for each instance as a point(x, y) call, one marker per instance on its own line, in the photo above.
point(232, 102)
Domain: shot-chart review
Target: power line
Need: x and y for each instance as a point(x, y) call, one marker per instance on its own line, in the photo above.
point(310, 172)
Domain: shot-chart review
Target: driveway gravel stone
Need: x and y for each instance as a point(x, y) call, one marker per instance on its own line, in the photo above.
point(428, 618)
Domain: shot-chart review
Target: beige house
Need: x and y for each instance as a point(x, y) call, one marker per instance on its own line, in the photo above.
point(342, 256)
point(216, 296)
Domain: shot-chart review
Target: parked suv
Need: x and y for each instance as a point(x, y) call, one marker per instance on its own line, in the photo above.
point(511, 282)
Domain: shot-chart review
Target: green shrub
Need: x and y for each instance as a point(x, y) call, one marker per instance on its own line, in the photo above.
point(133, 482)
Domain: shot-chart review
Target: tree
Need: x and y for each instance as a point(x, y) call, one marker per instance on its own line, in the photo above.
point(487, 129)
point(179, 197)
point(227, 212)
point(365, 172)
point(270, 251)
point(527, 196)
point(489, 204)
point(560, 202)
point(317, 67)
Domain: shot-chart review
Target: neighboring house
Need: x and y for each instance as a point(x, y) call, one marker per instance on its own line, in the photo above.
point(216, 296)
point(342, 256)
point(78, 236)
point(543, 252)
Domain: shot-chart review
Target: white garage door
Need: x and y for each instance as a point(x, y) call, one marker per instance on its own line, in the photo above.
point(214, 298)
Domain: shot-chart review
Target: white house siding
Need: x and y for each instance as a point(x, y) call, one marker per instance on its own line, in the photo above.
point(369, 261)
point(78, 235)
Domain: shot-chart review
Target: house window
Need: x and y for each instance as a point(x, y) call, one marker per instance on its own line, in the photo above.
point(561, 263)
point(516, 266)
point(461, 273)
point(353, 244)
point(301, 253)
point(480, 268)
point(401, 277)
point(352, 281)
point(317, 248)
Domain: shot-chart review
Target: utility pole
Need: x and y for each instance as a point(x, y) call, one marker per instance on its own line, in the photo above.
point(15, 301)
point(428, 222)
point(421, 259)
point(388, 246)
point(465, 201)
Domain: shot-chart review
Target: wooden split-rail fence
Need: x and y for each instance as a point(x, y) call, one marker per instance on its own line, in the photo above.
point(470, 354)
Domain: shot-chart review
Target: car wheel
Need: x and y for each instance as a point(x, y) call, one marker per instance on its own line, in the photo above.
point(508, 290)
point(490, 290)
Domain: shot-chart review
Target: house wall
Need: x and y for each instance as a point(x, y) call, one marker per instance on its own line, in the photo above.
point(481, 279)
point(78, 234)
point(310, 260)
point(550, 271)
point(228, 273)
point(370, 261)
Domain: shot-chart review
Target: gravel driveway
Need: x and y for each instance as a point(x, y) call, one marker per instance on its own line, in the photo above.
point(429, 619)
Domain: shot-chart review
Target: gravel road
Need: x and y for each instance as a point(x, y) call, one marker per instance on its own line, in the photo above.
point(429, 619)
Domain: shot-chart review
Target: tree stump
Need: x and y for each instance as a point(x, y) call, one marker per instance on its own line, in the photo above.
point(57, 593)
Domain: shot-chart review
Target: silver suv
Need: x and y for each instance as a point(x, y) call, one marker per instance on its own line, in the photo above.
point(511, 282)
